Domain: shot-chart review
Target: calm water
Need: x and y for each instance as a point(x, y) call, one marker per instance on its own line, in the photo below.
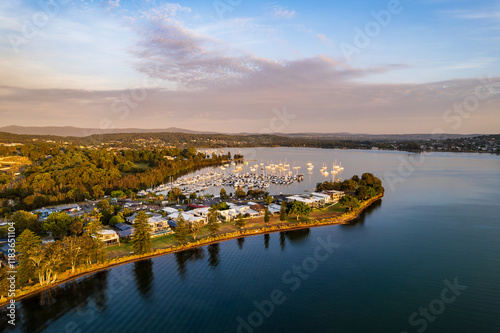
point(439, 222)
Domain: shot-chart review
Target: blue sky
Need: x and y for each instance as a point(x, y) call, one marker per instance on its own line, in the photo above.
point(226, 65)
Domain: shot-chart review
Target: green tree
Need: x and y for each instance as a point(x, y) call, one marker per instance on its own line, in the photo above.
point(349, 202)
point(93, 249)
point(269, 199)
point(76, 227)
point(174, 194)
point(298, 208)
point(213, 216)
point(223, 194)
point(283, 211)
point(103, 205)
point(94, 226)
point(117, 194)
point(24, 220)
point(181, 230)
point(195, 228)
point(73, 251)
point(267, 215)
point(27, 242)
point(52, 263)
point(116, 219)
point(142, 234)
point(362, 193)
point(240, 222)
point(240, 193)
point(4, 283)
point(97, 192)
point(57, 224)
point(193, 196)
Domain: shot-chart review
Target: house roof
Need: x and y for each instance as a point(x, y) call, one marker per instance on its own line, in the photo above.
point(123, 226)
point(107, 232)
point(126, 233)
point(170, 210)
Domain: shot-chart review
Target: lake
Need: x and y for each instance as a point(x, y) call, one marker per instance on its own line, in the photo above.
point(424, 258)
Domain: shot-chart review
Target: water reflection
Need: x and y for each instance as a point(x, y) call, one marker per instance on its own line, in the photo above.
point(266, 241)
point(35, 312)
point(240, 241)
point(144, 276)
point(282, 240)
point(213, 254)
point(297, 236)
point(360, 220)
point(188, 255)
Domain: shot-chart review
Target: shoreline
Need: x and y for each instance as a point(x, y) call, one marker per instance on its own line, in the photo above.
point(336, 220)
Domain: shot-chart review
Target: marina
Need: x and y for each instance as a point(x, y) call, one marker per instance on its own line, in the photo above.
point(247, 175)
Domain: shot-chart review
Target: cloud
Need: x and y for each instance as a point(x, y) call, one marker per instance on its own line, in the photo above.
point(165, 12)
point(113, 4)
point(475, 15)
point(324, 39)
point(280, 12)
point(317, 107)
point(169, 51)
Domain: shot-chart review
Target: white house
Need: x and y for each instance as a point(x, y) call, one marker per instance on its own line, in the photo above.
point(312, 200)
point(170, 210)
point(188, 217)
point(274, 208)
point(109, 237)
point(334, 195)
point(159, 224)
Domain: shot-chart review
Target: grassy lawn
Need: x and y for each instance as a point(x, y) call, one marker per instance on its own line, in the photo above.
point(141, 166)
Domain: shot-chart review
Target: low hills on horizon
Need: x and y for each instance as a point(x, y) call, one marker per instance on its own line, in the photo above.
point(71, 131)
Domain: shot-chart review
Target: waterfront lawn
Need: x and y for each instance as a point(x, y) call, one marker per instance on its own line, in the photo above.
point(125, 248)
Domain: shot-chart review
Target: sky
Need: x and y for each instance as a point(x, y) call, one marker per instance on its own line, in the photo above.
point(361, 66)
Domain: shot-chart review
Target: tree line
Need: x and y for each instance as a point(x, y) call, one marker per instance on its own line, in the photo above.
point(69, 174)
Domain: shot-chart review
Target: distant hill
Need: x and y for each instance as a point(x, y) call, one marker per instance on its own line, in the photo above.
point(82, 132)
point(376, 137)
point(70, 131)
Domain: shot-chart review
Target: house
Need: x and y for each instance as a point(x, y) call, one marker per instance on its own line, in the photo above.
point(201, 212)
point(109, 237)
point(334, 195)
point(274, 209)
point(240, 209)
point(158, 224)
point(133, 205)
point(70, 209)
point(309, 199)
point(170, 210)
point(322, 198)
point(124, 230)
point(188, 217)
point(258, 208)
